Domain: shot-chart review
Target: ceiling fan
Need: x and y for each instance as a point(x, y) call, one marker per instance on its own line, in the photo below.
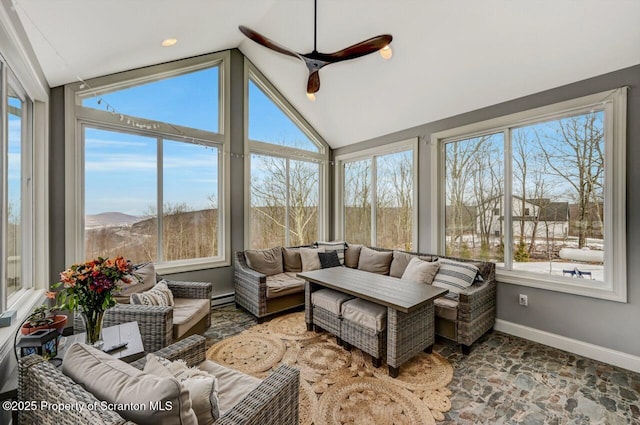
point(316, 60)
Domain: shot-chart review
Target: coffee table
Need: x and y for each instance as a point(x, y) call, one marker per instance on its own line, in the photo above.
point(124, 332)
point(410, 310)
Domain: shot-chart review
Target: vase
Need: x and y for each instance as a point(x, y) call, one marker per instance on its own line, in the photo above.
point(93, 326)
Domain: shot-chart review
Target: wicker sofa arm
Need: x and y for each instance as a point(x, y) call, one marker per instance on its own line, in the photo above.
point(155, 323)
point(191, 349)
point(477, 300)
point(274, 402)
point(40, 382)
point(200, 290)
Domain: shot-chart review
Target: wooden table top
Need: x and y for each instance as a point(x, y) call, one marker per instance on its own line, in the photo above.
point(399, 294)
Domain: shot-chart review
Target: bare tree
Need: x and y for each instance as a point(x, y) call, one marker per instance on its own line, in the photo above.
point(357, 202)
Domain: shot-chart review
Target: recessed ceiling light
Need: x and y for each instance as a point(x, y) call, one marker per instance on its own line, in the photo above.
point(169, 42)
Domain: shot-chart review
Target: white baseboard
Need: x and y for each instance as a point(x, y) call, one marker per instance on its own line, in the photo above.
point(596, 352)
point(222, 299)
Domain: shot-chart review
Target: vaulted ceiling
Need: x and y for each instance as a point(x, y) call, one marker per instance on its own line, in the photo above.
point(449, 57)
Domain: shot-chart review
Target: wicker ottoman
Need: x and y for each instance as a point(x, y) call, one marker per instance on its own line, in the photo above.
point(364, 325)
point(326, 304)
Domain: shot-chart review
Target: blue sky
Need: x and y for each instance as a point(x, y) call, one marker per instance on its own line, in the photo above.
point(120, 168)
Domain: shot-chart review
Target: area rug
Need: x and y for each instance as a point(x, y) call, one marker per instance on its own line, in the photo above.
point(339, 386)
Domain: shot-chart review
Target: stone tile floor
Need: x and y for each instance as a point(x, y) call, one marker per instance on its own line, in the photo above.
point(510, 380)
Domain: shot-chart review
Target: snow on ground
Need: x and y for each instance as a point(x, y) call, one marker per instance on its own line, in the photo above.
point(557, 268)
point(584, 254)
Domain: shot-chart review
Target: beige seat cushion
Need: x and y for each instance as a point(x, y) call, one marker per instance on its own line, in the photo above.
point(145, 280)
point(233, 386)
point(115, 381)
point(446, 308)
point(374, 261)
point(283, 284)
point(187, 312)
point(421, 271)
point(265, 261)
point(329, 300)
point(366, 314)
point(292, 260)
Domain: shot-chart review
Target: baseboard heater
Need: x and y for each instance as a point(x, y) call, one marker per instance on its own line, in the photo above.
point(221, 299)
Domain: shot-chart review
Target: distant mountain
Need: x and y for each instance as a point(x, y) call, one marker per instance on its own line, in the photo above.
point(110, 219)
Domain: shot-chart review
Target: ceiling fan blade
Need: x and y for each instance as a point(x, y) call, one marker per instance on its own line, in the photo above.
point(359, 49)
point(264, 41)
point(313, 85)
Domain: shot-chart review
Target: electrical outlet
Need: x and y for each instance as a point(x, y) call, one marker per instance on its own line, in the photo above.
point(523, 300)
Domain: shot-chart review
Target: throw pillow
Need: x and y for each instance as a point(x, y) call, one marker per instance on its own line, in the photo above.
point(352, 255)
point(292, 260)
point(421, 271)
point(202, 386)
point(338, 246)
point(375, 261)
point(165, 401)
point(265, 261)
point(158, 295)
point(310, 259)
point(143, 279)
point(454, 275)
point(399, 263)
point(329, 259)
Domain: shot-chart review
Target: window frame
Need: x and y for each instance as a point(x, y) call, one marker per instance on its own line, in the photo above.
point(78, 116)
point(614, 104)
point(372, 153)
point(251, 73)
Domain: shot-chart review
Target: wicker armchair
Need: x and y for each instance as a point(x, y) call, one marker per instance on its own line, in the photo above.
point(251, 291)
point(273, 402)
point(156, 323)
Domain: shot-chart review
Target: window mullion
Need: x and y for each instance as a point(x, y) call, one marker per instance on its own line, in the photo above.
point(287, 203)
point(159, 196)
point(508, 201)
point(374, 201)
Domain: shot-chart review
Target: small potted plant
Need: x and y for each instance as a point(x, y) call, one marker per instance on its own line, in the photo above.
point(44, 317)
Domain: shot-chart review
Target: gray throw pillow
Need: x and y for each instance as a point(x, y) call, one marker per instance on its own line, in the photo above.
point(375, 261)
point(265, 261)
point(399, 263)
point(292, 260)
point(421, 271)
point(351, 256)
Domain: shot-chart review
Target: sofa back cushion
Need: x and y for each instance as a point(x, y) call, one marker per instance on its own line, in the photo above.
point(455, 276)
point(265, 261)
point(338, 246)
point(292, 260)
point(310, 259)
point(375, 261)
point(352, 255)
point(399, 263)
point(143, 279)
point(421, 271)
point(161, 400)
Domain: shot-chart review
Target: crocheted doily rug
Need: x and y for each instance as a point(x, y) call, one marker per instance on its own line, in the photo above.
point(339, 386)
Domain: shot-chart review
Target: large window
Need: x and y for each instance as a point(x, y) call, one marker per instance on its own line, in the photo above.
point(540, 194)
point(287, 164)
point(377, 197)
point(153, 175)
point(17, 243)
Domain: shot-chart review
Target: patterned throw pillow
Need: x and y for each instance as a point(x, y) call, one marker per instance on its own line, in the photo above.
point(454, 275)
point(329, 259)
point(338, 246)
point(159, 295)
point(202, 386)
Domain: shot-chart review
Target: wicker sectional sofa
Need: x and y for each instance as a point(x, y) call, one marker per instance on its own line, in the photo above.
point(463, 320)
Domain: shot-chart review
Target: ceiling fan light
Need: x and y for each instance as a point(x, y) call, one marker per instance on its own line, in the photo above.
point(311, 97)
point(386, 52)
point(168, 42)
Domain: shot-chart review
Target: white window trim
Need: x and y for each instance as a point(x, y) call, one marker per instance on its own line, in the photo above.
point(614, 103)
point(17, 55)
point(370, 153)
point(76, 116)
point(264, 148)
